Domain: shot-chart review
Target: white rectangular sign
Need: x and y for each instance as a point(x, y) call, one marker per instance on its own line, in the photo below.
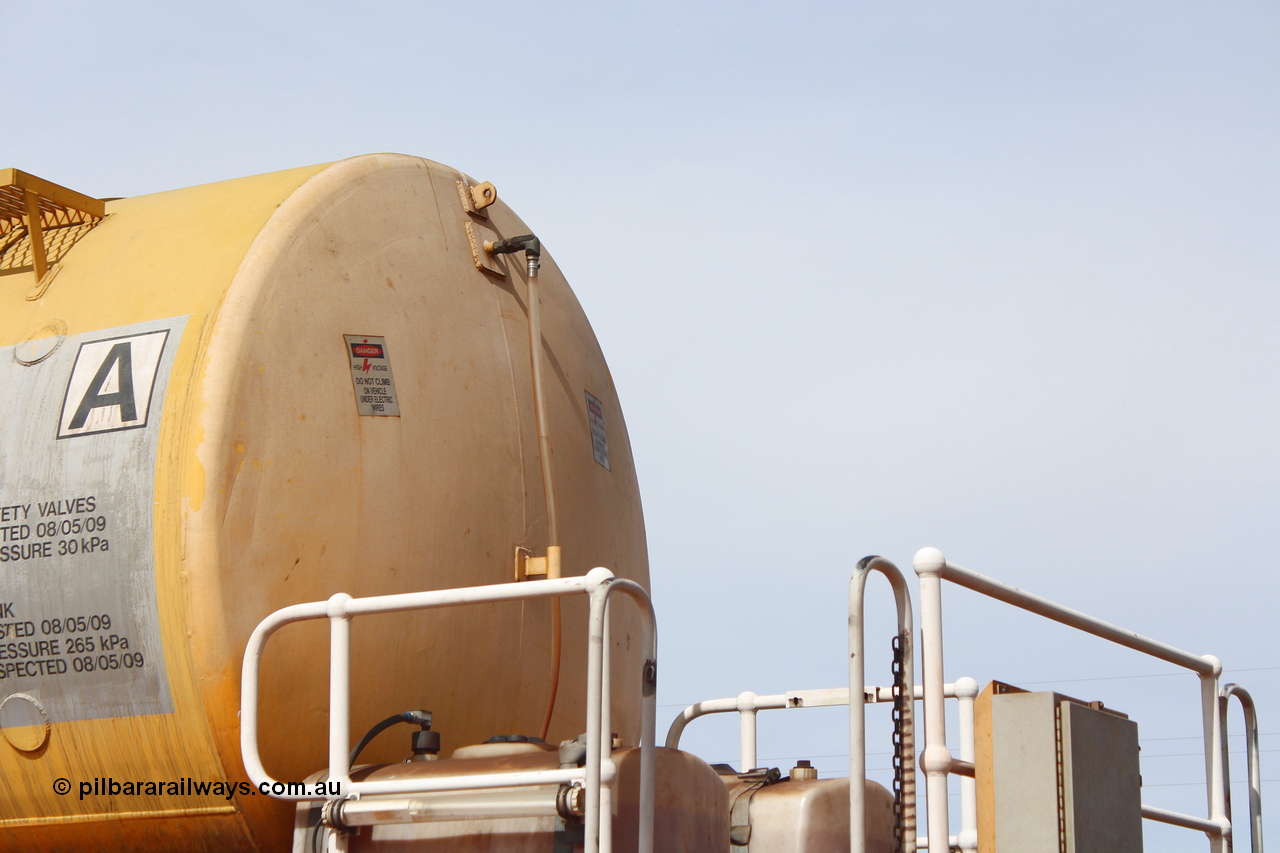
point(371, 375)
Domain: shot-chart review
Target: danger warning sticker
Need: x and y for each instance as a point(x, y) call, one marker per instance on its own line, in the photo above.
point(371, 376)
point(599, 440)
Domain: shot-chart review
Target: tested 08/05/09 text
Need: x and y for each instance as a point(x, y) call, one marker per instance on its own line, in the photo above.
point(80, 644)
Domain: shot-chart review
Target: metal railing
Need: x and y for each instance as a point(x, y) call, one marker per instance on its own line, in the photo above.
point(904, 749)
point(1255, 765)
point(933, 568)
point(596, 776)
point(964, 690)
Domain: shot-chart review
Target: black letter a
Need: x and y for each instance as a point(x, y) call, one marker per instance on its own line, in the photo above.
point(94, 398)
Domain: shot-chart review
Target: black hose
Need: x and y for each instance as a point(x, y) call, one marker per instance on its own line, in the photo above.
point(418, 718)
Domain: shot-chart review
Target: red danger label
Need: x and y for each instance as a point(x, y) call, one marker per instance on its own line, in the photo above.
point(367, 350)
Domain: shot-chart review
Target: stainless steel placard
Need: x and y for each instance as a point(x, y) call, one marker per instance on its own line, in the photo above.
point(79, 628)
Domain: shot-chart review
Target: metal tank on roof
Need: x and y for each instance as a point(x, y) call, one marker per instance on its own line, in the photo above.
point(221, 400)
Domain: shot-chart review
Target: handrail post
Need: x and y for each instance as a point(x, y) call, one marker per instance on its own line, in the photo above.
point(966, 691)
point(339, 689)
point(857, 704)
point(606, 729)
point(1216, 782)
point(930, 565)
point(595, 680)
point(747, 739)
point(648, 710)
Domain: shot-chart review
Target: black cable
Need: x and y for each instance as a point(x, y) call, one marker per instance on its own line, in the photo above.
point(418, 718)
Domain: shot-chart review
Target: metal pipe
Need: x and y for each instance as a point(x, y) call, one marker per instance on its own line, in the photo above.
point(540, 404)
point(857, 704)
point(339, 690)
point(966, 691)
point(548, 480)
point(606, 728)
point(595, 679)
point(700, 709)
point(929, 564)
point(794, 700)
point(1176, 819)
point(933, 567)
point(1255, 765)
point(451, 805)
point(648, 709)
point(343, 605)
point(1051, 610)
point(599, 771)
point(1215, 781)
point(747, 731)
point(432, 784)
point(434, 599)
point(532, 248)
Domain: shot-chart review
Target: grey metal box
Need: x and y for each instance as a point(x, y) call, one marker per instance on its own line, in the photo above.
point(1055, 774)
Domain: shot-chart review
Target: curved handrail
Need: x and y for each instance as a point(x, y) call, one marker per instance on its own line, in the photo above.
point(1255, 765)
point(339, 609)
point(857, 703)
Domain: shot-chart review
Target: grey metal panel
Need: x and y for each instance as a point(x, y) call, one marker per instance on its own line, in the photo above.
point(1101, 779)
point(79, 627)
point(1024, 753)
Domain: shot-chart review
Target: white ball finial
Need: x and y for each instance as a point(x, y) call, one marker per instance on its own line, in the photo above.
point(929, 561)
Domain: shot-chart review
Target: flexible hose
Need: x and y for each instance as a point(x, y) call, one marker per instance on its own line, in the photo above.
point(416, 717)
point(532, 249)
point(555, 666)
point(548, 483)
point(540, 406)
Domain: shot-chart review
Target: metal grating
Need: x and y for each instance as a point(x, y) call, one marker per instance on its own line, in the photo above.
point(17, 254)
point(40, 221)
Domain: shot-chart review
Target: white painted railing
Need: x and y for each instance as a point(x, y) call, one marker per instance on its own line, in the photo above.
point(596, 776)
point(964, 690)
point(933, 568)
point(1255, 765)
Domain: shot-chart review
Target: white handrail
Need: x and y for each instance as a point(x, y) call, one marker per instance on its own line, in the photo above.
point(965, 690)
point(857, 704)
point(599, 772)
point(1251, 753)
point(933, 568)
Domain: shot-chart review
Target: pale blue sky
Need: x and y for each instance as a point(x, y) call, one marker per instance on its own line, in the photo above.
point(994, 277)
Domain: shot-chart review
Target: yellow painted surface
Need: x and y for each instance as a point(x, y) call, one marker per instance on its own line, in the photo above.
point(270, 490)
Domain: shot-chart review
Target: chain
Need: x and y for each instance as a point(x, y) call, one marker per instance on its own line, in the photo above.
point(900, 710)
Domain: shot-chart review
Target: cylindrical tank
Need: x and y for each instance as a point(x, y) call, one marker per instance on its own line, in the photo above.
point(198, 428)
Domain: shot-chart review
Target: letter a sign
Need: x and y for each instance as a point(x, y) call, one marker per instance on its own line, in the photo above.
point(110, 385)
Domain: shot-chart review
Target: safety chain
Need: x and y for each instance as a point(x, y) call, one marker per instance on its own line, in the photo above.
point(901, 705)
